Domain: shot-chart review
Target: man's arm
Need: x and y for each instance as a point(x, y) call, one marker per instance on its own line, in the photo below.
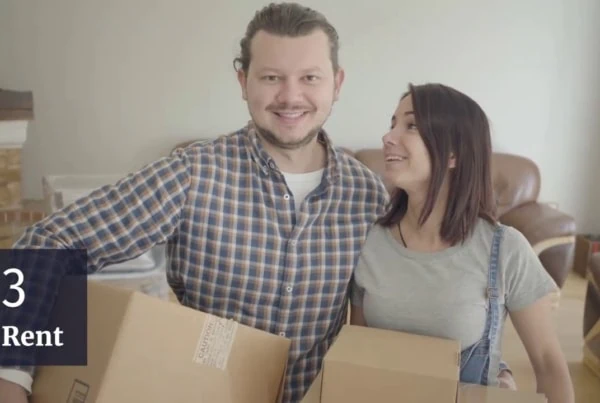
point(15, 379)
point(114, 223)
point(121, 221)
point(11, 392)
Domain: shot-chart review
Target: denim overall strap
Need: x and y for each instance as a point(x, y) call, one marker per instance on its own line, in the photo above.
point(481, 362)
point(495, 315)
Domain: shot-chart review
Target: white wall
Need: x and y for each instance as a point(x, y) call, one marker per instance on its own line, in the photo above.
point(118, 82)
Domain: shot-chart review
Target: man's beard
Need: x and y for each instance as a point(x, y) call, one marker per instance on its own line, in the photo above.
point(274, 140)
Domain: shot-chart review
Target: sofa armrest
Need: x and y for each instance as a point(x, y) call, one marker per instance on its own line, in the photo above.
point(591, 317)
point(542, 225)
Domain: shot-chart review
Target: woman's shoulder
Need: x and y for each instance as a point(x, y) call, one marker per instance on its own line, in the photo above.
point(514, 242)
point(378, 234)
point(511, 239)
point(378, 230)
point(379, 244)
point(525, 277)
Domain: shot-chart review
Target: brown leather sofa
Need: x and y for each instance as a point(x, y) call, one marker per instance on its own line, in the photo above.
point(591, 317)
point(516, 183)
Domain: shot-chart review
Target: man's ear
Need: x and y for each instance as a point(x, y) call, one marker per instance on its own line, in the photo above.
point(243, 81)
point(338, 81)
point(452, 161)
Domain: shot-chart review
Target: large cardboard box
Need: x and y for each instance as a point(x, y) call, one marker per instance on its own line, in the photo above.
point(144, 349)
point(376, 365)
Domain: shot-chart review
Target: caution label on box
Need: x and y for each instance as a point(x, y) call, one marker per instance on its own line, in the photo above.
point(215, 342)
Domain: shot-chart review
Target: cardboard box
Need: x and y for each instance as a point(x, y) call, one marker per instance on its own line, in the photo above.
point(367, 364)
point(143, 349)
point(376, 365)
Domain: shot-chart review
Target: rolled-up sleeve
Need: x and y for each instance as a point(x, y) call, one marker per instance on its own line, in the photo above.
point(114, 223)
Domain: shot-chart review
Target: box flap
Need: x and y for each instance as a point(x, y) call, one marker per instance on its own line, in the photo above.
point(368, 364)
point(396, 351)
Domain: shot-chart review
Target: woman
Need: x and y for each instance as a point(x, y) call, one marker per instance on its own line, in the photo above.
point(439, 263)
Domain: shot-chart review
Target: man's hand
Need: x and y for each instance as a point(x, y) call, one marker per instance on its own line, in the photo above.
point(12, 393)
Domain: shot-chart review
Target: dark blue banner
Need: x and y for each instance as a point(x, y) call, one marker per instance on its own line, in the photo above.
point(43, 307)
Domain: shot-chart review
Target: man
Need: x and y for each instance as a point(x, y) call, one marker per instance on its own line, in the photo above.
point(264, 225)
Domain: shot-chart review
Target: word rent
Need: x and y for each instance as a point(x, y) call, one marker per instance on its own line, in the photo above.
point(40, 338)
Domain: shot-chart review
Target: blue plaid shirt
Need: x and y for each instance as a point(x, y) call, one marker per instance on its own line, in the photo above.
point(237, 247)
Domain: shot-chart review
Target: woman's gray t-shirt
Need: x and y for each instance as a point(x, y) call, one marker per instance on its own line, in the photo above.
point(443, 294)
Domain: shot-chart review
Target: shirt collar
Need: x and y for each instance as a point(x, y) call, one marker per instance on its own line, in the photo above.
point(266, 162)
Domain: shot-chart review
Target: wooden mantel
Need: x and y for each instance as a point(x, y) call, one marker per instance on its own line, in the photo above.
point(16, 105)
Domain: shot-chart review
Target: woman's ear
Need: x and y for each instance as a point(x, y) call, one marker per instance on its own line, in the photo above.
point(452, 161)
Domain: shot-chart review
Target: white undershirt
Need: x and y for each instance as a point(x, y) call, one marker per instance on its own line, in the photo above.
point(302, 184)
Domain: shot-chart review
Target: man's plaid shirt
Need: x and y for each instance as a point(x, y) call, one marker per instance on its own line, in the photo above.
point(237, 248)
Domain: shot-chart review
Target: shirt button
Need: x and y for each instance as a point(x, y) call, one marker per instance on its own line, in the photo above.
point(272, 165)
point(293, 243)
point(286, 196)
point(289, 288)
point(282, 334)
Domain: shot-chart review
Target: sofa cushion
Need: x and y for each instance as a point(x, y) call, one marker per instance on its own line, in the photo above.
point(373, 159)
point(538, 221)
point(516, 181)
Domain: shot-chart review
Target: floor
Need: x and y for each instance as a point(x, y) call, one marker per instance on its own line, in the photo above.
point(569, 322)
